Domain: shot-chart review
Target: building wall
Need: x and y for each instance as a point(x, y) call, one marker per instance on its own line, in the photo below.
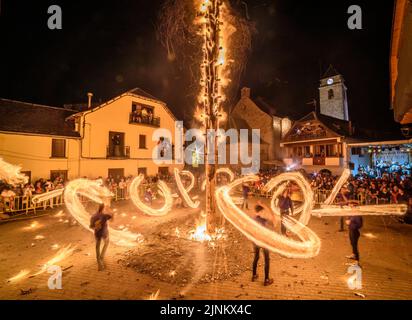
point(33, 153)
point(115, 117)
point(272, 128)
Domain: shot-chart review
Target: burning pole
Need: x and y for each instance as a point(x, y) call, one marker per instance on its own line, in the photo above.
point(210, 97)
point(210, 33)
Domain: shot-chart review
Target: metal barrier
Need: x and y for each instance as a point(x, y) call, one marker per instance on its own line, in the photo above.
point(24, 204)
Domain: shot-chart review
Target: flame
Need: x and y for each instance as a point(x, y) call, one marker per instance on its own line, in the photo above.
point(184, 191)
point(200, 232)
point(94, 191)
point(343, 178)
point(11, 173)
point(19, 276)
point(47, 196)
point(58, 257)
point(364, 210)
point(281, 181)
point(163, 190)
point(307, 247)
point(154, 296)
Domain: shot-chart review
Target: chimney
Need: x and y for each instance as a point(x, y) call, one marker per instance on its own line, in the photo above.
point(89, 100)
point(245, 93)
point(351, 128)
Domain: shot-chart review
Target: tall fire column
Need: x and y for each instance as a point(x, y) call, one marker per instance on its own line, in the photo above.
point(210, 97)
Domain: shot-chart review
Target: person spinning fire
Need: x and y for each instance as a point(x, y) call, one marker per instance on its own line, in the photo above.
point(98, 222)
point(262, 216)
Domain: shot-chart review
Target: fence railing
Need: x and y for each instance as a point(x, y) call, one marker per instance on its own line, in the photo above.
point(24, 204)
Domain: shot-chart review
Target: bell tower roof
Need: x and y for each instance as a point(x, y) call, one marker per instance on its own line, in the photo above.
point(330, 72)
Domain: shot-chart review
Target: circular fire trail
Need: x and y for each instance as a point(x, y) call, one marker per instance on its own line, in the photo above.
point(94, 191)
point(163, 190)
point(307, 247)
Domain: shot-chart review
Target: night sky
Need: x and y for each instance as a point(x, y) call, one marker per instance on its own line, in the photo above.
point(109, 47)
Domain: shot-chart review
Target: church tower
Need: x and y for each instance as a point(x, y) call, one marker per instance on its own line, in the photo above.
point(332, 95)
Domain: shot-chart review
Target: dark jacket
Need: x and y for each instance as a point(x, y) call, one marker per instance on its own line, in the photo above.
point(285, 203)
point(356, 222)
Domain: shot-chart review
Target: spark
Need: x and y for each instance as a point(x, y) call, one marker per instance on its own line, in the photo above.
point(370, 235)
point(163, 190)
point(19, 276)
point(200, 232)
point(62, 254)
point(94, 191)
point(59, 214)
point(39, 237)
point(172, 273)
point(154, 296)
point(55, 246)
point(32, 226)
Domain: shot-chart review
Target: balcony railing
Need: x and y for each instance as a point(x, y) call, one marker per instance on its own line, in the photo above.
point(306, 136)
point(118, 152)
point(146, 120)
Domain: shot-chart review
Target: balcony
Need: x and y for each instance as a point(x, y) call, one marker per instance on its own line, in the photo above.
point(149, 121)
point(117, 152)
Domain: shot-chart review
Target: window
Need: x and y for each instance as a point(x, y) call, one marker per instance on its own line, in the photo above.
point(58, 174)
point(142, 141)
point(27, 174)
point(331, 150)
point(58, 148)
point(330, 94)
point(115, 173)
point(163, 171)
point(307, 152)
point(142, 171)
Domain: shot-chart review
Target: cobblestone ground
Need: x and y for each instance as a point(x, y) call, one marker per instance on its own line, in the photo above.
point(385, 246)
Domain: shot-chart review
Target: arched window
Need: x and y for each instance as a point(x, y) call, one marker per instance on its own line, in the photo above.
point(330, 94)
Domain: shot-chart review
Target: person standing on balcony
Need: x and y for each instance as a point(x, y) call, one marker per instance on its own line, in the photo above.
point(98, 222)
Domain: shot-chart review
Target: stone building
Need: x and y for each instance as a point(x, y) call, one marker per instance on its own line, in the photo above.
point(258, 114)
point(332, 95)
